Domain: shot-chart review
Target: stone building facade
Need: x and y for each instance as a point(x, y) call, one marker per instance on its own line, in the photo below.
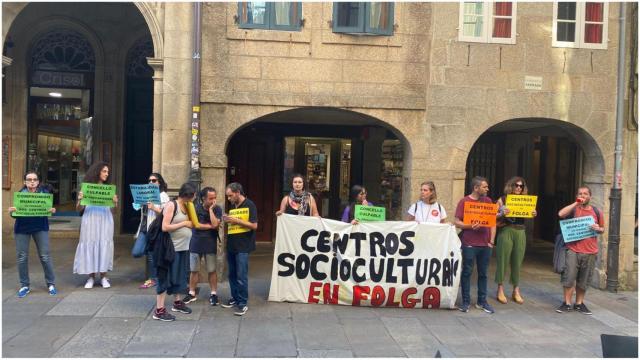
point(421, 103)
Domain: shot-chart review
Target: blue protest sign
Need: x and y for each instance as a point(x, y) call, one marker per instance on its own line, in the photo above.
point(144, 193)
point(577, 228)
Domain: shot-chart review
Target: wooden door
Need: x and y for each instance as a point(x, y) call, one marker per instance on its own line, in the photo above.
point(252, 164)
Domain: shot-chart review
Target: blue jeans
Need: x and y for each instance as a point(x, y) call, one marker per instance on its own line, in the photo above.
point(138, 250)
point(472, 254)
point(22, 252)
point(238, 277)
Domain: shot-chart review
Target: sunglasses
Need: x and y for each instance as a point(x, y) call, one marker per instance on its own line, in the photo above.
point(520, 185)
point(153, 180)
point(31, 180)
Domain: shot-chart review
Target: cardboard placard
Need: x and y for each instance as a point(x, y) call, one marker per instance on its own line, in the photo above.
point(242, 214)
point(191, 213)
point(577, 228)
point(97, 194)
point(521, 205)
point(32, 204)
point(144, 193)
point(370, 213)
point(480, 212)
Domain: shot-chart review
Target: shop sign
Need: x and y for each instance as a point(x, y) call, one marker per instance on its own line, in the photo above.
point(56, 78)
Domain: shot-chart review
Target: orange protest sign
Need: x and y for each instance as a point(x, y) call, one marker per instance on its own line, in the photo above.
point(482, 213)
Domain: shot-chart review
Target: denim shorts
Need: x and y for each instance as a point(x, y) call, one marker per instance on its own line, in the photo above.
point(210, 262)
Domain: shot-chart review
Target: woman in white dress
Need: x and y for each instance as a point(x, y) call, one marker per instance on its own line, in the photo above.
point(94, 253)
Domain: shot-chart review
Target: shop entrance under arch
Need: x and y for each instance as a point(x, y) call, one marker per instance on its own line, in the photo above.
point(346, 149)
point(554, 157)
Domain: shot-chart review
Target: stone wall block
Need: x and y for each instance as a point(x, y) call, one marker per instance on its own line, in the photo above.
point(301, 69)
point(456, 96)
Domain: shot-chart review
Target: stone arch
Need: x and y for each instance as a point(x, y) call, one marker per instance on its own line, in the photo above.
point(148, 13)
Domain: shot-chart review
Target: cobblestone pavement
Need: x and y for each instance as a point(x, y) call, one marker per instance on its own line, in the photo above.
point(117, 322)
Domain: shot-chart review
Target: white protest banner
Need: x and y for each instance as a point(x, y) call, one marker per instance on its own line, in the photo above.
point(388, 263)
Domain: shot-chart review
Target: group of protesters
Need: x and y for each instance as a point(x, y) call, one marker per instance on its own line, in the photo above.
point(173, 261)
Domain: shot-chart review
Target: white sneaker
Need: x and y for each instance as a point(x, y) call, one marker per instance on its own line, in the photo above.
point(105, 283)
point(89, 283)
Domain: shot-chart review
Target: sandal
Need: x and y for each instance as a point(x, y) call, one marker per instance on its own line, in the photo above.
point(148, 284)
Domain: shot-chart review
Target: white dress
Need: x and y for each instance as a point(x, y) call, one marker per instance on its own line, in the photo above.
point(94, 253)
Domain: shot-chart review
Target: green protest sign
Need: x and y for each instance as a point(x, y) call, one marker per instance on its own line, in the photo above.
point(97, 194)
point(32, 204)
point(370, 213)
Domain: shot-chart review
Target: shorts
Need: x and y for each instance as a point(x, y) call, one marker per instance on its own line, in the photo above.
point(578, 269)
point(209, 260)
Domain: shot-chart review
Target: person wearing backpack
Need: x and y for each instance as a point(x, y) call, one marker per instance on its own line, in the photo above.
point(580, 256)
point(172, 277)
point(427, 209)
point(147, 215)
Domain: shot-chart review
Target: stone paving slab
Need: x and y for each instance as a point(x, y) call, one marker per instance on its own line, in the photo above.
point(127, 306)
point(320, 333)
point(370, 338)
point(85, 302)
point(305, 353)
point(158, 338)
point(259, 338)
point(412, 337)
point(101, 337)
point(44, 336)
point(215, 338)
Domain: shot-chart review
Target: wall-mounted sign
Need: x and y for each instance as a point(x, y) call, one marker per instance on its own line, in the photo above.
point(533, 82)
point(56, 78)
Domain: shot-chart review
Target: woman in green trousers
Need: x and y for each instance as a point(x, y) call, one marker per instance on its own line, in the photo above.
point(511, 241)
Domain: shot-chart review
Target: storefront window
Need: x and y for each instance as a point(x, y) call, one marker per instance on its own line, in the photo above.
point(391, 178)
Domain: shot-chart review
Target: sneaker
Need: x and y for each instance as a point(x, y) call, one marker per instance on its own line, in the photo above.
point(564, 308)
point(582, 308)
point(179, 306)
point(213, 300)
point(163, 315)
point(23, 291)
point(89, 283)
point(241, 310)
point(464, 307)
point(229, 304)
point(52, 290)
point(147, 284)
point(485, 307)
point(105, 283)
point(189, 298)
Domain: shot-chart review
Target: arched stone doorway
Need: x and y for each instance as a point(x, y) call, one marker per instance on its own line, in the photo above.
point(109, 30)
point(555, 157)
point(333, 148)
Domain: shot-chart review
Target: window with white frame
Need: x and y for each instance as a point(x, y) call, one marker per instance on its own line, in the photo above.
point(487, 22)
point(580, 24)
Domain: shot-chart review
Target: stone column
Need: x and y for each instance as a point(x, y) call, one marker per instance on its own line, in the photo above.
point(158, 74)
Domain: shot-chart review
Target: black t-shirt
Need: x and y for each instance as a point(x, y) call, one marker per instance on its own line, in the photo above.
point(205, 241)
point(244, 242)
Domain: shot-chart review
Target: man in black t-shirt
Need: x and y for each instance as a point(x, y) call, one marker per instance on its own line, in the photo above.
point(242, 223)
point(204, 244)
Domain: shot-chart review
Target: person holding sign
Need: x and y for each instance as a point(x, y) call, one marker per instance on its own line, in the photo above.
point(580, 256)
point(477, 241)
point(37, 227)
point(299, 201)
point(204, 244)
point(427, 209)
point(242, 222)
point(358, 196)
point(512, 240)
point(172, 261)
point(147, 215)
point(94, 253)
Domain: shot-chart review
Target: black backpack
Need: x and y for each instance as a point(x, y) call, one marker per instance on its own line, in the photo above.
point(155, 228)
